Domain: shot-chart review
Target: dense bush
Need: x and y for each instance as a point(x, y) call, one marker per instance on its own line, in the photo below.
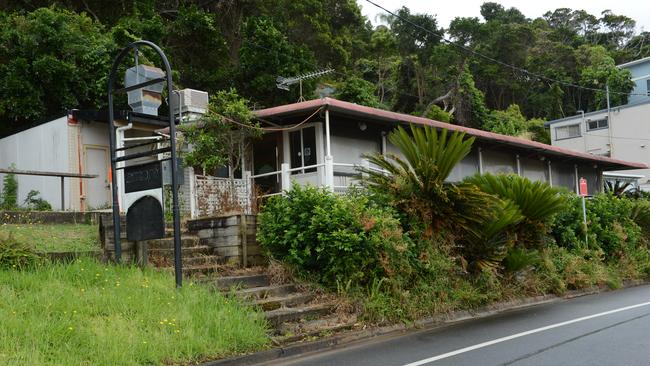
point(15, 254)
point(537, 202)
point(609, 225)
point(334, 239)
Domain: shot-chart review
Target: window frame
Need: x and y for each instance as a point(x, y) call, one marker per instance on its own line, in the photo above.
point(598, 122)
point(570, 137)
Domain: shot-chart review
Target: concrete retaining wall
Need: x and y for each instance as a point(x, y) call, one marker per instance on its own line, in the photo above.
point(49, 217)
point(232, 237)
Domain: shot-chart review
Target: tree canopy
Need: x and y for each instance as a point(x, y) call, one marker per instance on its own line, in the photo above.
point(55, 55)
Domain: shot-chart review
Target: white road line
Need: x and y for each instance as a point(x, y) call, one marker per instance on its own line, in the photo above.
point(522, 334)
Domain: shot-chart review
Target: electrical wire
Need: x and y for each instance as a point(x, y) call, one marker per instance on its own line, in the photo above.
point(268, 129)
point(491, 59)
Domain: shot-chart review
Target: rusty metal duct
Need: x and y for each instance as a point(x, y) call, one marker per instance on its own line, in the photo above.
point(144, 100)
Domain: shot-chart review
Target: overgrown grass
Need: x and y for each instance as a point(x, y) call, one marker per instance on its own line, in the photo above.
point(87, 313)
point(55, 238)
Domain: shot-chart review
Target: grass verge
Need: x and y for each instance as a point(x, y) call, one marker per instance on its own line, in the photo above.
point(87, 313)
point(55, 238)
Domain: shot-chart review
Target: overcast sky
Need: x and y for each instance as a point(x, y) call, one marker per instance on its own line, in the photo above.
point(445, 11)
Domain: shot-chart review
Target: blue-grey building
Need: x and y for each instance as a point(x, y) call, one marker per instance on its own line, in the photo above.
point(640, 70)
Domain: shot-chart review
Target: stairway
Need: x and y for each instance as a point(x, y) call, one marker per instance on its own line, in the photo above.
point(198, 260)
point(295, 314)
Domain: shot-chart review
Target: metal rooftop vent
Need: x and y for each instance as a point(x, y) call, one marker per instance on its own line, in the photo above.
point(144, 100)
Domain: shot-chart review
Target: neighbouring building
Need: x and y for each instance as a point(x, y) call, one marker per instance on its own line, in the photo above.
point(79, 143)
point(622, 132)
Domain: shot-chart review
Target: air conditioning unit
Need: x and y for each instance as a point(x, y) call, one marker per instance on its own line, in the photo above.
point(191, 103)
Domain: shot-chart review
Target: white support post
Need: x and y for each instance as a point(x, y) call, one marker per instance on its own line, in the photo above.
point(328, 147)
point(550, 173)
point(518, 165)
point(575, 169)
point(366, 165)
point(480, 160)
point(329, 173)
point(246, 176)
point(384, 143)
point(194, 211)
point(286, 177)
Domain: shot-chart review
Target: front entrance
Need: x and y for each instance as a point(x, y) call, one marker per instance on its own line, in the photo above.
point(97, 191)
point(266, 159)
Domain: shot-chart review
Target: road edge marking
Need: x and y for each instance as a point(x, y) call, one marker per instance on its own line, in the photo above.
point(522, 334)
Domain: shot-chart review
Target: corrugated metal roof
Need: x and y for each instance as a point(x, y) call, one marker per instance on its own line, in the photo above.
point(342, 107)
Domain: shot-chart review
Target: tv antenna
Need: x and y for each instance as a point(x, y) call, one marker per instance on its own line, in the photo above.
point(284, 83)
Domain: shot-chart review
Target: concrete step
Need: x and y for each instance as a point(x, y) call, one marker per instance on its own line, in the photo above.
point(185, 252)
point(200, 270)
point(310, 312)
point(202, 260)
point(167, 243)
point(297, 331)
point(286, 300)
point(245, 281)
point(257, 293)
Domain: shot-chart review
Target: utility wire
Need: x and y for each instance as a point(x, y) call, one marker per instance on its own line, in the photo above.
point(491, 59)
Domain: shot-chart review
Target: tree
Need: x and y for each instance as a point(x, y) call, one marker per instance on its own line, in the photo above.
point(9, 191)
point(357, 90)
point(51, 60)
point(222, 135)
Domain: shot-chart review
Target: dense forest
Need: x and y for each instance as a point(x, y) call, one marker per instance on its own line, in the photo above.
point(503, 72)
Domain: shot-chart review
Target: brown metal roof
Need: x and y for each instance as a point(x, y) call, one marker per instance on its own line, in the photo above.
point(370, 113)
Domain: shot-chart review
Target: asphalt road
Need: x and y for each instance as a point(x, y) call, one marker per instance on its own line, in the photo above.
point(606, 329)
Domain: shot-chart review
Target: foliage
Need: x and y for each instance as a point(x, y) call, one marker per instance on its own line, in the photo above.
point(537, 201)
point(221, 135)
point(33, 202)
point(16, 254)
point(640, 214)
point(83, 312)
point(416, 183)
point(333, 239)
point(9, 191)
point(485, 247)
point(609, 226)
point(55, 237)
point(438, 114)
point(359, 91)
point(51, 49)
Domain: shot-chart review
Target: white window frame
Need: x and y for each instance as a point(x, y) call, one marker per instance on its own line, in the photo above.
point(569, 137)
point(598, 124)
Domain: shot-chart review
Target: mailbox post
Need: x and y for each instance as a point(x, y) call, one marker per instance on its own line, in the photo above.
point(145, 176)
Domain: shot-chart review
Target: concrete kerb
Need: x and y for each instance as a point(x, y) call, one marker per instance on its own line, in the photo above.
point(344, 339)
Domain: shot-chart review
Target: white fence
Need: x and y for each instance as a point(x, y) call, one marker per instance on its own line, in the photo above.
point(222, 195)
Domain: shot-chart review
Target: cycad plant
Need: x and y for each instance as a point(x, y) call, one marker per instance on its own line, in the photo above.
point(416, 183)
point(537, 201)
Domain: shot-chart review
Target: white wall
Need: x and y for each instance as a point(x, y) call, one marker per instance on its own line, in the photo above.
point(44, 147)
point(629, 128)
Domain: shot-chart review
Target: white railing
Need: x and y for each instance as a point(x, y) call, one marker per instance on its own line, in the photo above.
point(216, 195)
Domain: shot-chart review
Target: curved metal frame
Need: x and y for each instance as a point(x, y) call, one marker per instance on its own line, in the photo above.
point(172, 131)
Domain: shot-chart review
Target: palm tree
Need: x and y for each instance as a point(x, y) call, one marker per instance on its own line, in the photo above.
point(416, 183)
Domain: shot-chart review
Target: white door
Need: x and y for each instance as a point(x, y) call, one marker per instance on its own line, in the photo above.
point(96, 190)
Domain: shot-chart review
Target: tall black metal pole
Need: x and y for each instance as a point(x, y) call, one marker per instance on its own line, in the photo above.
point(178, 269)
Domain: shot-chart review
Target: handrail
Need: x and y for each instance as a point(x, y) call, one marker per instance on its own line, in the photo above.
point(288, 170)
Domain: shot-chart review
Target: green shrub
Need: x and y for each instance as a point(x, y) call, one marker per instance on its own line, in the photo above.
point(334, 239)
point(609, 226)
point(15, 254)
point(33, 202)
point(537, 201)
point(10, 191)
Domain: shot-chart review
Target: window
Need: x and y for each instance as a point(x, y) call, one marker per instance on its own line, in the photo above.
point(303, 149)
point(596, 124)
point(567, 132)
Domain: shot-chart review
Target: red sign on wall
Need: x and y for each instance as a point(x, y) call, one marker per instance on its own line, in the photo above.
point(583, 187)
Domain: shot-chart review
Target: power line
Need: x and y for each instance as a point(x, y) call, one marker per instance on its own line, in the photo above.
point(491, 59)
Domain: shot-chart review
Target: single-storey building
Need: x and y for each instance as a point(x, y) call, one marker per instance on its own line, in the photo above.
point(321, 141)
